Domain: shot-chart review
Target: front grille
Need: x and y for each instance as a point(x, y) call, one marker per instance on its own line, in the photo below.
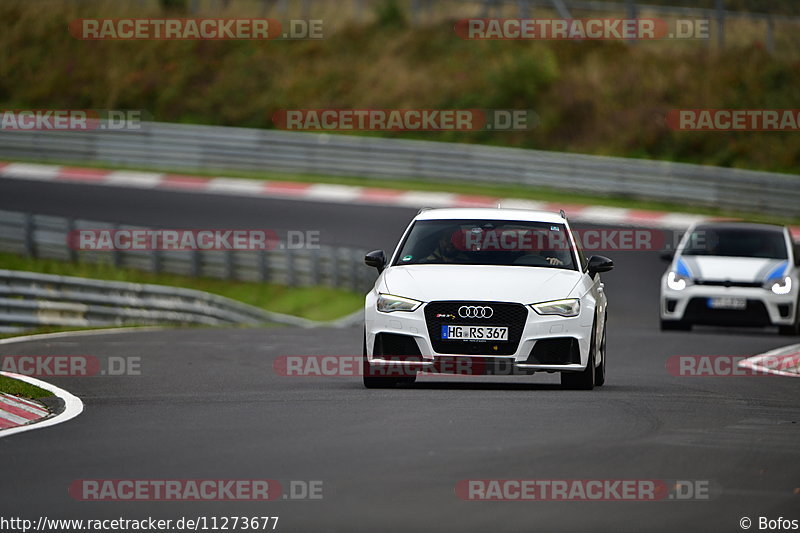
point(557, 351)
point(698, 312)
point(727, 283)
point(505, 314)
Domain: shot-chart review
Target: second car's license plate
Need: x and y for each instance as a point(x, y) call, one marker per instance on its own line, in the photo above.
point(475, 333)
point(727, 303)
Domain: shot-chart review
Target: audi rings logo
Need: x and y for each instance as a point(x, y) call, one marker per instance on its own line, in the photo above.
point(473, 311)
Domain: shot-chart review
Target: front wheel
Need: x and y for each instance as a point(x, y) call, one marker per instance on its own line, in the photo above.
point(585, 379)
point(793, 330)
point(600, 371)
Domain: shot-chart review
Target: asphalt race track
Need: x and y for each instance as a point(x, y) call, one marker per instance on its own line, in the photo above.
point(209, 405)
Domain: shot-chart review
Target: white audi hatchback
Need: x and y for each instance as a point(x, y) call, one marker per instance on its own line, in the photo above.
point(486, 291)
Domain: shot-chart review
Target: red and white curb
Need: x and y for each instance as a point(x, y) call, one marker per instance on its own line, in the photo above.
point(18, 415)
point(780, 362)
point(15, 411)
point(346, 194)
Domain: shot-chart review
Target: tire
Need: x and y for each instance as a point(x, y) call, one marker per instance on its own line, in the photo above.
point(373, 382)
point(794, 329)
point(675, 325)
point(600, 371)
point(790, 331)
point(583, 380)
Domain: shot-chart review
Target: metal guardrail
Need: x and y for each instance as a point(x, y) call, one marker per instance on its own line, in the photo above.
point(29, 299)
point(217, 148)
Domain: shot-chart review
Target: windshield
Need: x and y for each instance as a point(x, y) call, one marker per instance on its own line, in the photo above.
point(487, 242)
point(737, 242)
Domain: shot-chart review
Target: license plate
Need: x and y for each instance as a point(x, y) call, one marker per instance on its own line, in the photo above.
point(474, 333)
point(727, 303)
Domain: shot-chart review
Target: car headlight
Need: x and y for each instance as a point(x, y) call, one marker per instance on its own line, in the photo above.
point(781, 286)
point(569, 307)
point(388, 303)
point(677, 282)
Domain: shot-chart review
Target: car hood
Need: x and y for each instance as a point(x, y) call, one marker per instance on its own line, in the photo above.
point(746, 269)
point(483, 283)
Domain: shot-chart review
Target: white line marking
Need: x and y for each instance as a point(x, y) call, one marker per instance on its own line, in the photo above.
point(235, 186)
point(333, 193)
point(426, 199)
point(30, 171)
point(145, 180)
point(15, 398)
point(603, 215)
point(73, 406)
point(16, 419)
point(15, 402)
point(678, 220)
point(754, 363)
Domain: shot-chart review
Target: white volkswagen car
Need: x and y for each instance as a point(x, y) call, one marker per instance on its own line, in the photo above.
point(733, 273)
point(486, 291)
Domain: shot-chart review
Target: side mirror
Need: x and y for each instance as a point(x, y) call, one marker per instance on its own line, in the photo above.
point(797, 254)
point(667, 255)
point(598, 263)
point(377, 259)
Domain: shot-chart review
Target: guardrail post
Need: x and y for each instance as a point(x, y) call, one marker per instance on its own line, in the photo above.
point(316, 278)
point(291, 275)
point(353, 259)
point(335, 273)
point(116, 255)
point(195, 262)
point(230, 271)
point(263, 266)
point(72, 253)
point(30, 244)
point(155, 260)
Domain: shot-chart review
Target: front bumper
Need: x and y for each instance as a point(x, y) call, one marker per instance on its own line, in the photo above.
point(764, 308)
point(573, 333)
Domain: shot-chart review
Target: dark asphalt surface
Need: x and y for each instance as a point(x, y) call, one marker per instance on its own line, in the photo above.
point(209, 405)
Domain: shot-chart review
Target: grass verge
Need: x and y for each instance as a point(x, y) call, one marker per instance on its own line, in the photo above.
point(314, 303)
point(22, 389)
